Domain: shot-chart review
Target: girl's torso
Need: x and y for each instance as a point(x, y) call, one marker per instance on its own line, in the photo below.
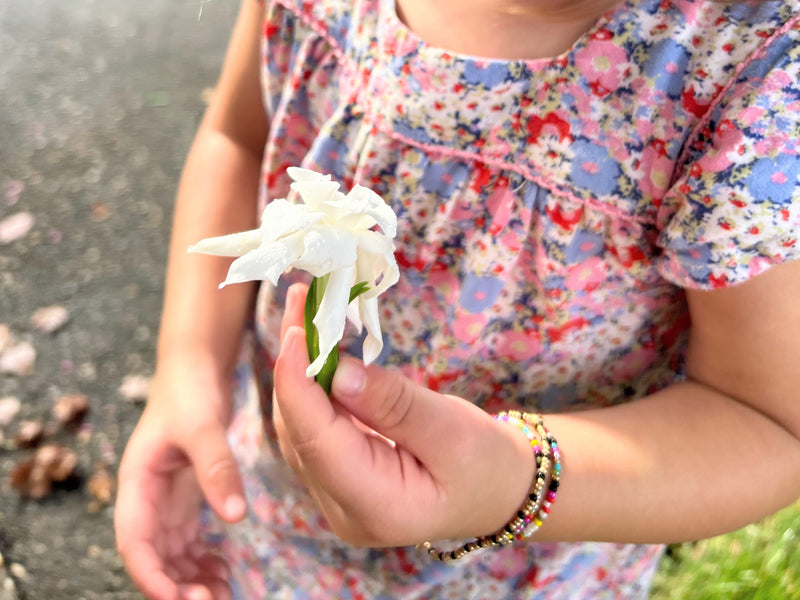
point(549, 211)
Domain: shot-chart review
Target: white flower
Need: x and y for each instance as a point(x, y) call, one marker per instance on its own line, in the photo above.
point(329, 234)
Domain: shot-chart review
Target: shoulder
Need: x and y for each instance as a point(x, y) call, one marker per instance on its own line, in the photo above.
point(705, 40)
point(335, 20)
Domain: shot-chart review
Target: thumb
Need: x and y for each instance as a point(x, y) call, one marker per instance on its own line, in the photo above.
point(217, 472)
point(415, 417)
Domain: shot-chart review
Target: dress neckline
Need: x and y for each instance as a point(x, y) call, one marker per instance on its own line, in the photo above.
point(395, 26)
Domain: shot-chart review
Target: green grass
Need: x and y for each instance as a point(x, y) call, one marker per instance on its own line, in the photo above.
point(758, 562)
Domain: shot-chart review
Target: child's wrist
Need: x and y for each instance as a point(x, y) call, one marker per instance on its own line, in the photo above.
point(535, 508)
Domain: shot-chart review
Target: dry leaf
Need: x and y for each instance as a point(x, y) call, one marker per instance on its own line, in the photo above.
point(26, 482)
point(9, 407)
point(30, 434)
point(102, 484)
point(135, 387)
point(58, 461)
point(15, 227)
point(5, 336)
point(13, 190)
point(50, 318)
point(70, 410)
point(17, 359)
point(33, 477)
point(99, 212)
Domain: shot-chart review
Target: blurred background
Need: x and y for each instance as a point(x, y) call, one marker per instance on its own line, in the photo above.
point(99, 101)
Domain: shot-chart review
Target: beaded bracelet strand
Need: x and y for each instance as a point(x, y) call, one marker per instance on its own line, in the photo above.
point(552, 487)
point(536, 507)
point(508, 533)
point(531, 506)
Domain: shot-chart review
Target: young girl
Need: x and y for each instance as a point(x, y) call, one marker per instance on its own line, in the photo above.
point(598, 212)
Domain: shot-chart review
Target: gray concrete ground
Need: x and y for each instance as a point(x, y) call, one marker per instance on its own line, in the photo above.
point(98, 103)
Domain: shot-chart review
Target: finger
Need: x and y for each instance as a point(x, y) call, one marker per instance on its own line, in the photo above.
point(209, 563)
point(294, 310)
point(305, 409)
point(186, 568)
point(319, 439)
point(217, 472)
point(205, 588)
point(137, 526)
point(418, 419)
point(214, 565)
point(148, 573)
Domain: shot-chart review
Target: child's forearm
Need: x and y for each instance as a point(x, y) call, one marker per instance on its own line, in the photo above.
point(702, 457)
point(217, 195)
point(682, 464)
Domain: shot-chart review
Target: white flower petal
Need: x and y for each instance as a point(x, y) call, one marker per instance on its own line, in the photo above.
point(373, 343)
point(329, 233)
point(234, 244)
point(330, 317)
point(376, 262)
point(391, 275)
point(326, 250)
point(352, 315)
point(361, 200)
point(301, 174)
point(266, 262)
point(281, 217)
point(316, 193)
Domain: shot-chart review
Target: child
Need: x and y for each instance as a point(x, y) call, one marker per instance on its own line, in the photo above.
point(597, 221)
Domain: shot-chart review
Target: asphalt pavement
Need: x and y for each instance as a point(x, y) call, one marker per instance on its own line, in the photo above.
point(99, 101)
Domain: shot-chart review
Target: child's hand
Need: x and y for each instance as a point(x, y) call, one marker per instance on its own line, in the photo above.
point(454, 472)
point(177, 454)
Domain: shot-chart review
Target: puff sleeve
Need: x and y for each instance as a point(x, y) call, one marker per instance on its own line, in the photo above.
point(734, 210)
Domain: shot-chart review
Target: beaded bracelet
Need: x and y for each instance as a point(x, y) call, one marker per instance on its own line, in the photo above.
point(536, 507)
point(542, 452)
point(552, 487)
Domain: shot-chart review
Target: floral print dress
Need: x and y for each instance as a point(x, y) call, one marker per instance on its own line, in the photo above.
point(551, 212)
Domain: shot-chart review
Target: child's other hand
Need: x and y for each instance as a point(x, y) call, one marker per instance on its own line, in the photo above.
point(453, 471)
point(177, 454)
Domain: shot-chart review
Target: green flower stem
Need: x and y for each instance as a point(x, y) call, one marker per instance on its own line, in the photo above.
point(316, 291)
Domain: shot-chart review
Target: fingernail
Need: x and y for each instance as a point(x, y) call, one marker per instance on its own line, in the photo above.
point(193, 592)
point(235, 507)
point(293, 294)
point(350, 378)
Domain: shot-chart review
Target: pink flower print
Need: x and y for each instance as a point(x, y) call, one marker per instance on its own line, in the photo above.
point(656, 167)
point(510, 241)
point(727, 139)
point(498, 142)
point(758, 265)
point(751, 115)
point(779, 177)
point(500, 204)
point(257, 584)
point(467, 327)
point(689, 10)
point(591, 167)
point(508, 562)
point(263, 508)
point(634, 364)
point(587, 275)
point(400, 44)
point(329, 578)
point(519, 345)
point(776, 82)
point(445, 283)
point(602, 62)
